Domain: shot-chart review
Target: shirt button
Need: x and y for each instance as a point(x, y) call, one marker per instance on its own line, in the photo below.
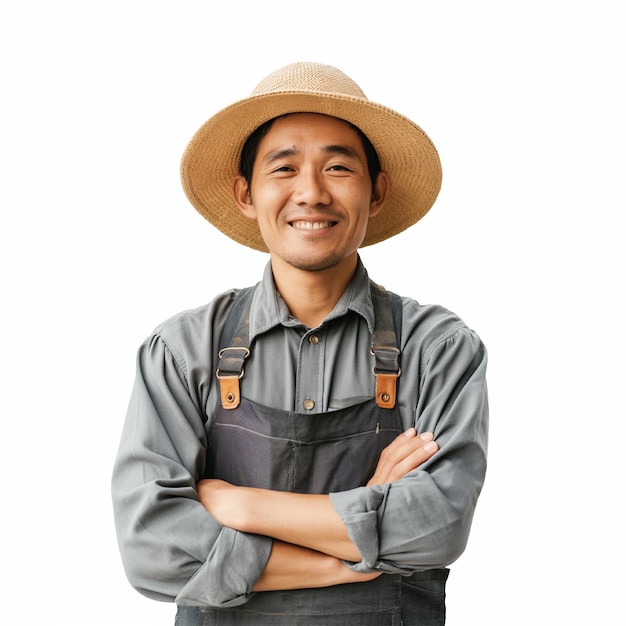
point(314, 339)
point(309, 404)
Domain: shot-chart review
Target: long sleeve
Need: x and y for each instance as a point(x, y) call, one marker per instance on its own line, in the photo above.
point(172, 549)
point(423, 520)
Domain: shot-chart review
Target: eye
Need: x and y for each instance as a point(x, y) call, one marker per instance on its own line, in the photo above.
point(282, 169)
point(339, 168)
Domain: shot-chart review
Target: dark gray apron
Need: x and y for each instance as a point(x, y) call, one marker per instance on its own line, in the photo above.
point(257, 446)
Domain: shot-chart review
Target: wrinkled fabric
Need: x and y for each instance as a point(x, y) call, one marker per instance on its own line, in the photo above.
point(173, 549)
point(287, 451)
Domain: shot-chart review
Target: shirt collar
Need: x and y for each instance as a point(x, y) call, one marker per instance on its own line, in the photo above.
point(269, 309)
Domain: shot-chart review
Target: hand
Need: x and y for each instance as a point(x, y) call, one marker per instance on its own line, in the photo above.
point(404, 454)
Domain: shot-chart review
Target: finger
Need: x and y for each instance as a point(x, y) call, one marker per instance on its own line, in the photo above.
point(400, 454)
point(401, 440)
point(413, 460)
point(403, 445)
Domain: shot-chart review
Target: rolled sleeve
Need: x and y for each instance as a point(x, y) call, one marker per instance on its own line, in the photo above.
point(359, 512)
point(422, 521)
point(220, 586)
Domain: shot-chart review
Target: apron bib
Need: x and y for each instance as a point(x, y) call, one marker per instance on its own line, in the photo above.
point(257, 446)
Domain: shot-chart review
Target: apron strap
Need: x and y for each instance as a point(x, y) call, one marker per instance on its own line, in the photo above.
point(385, 344)
point(235, 346)
point(231, 358)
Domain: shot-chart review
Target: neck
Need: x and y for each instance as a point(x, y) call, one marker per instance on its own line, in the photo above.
point(312, 295)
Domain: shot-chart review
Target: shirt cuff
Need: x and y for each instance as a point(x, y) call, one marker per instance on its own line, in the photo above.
point(234, 565)
point(358, 509)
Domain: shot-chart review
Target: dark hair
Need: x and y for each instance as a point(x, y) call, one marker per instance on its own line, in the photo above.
point(251, 147)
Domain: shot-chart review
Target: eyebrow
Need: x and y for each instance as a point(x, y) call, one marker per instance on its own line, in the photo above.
point(342, 150)
point(276, 155)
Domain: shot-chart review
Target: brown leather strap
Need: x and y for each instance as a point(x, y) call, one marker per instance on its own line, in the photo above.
point(386, 390)
point(229, 391)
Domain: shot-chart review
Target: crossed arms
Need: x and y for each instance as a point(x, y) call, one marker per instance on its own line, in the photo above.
point(310, 539)
point(415, 513)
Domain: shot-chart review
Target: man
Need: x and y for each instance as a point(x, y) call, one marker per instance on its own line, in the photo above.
point(309, 450)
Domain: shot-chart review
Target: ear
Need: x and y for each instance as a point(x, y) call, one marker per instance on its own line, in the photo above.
point(379, 193)
point(242, 196)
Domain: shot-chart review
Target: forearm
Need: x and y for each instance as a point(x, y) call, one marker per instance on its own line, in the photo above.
point(306, 520)
point(295, 567)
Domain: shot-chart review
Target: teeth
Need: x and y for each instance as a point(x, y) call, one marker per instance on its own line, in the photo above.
point(311, 225)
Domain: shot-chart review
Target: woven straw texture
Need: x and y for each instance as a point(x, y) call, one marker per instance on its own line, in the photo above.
point(211, 161)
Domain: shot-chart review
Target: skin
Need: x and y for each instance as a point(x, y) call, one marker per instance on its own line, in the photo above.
point(312, 197)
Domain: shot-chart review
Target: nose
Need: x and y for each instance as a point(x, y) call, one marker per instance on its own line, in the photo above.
point(310, 189)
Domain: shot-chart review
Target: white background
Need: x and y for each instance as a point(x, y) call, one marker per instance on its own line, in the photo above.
point(525, 103)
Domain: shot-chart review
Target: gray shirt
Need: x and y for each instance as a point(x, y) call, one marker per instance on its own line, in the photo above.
point(173, 549)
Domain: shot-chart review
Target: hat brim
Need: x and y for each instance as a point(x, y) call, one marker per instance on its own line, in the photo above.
point(210, 163)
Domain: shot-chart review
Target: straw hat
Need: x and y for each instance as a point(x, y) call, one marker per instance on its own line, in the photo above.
point(211, 161)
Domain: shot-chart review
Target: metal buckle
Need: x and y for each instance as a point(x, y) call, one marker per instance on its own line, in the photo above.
point(217, 373)
point(243, 358)
point(395, 349)
point(396, 374)
point(392, 348)
point(247, 352)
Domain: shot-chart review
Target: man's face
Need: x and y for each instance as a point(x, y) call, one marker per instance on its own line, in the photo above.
point(311, 192)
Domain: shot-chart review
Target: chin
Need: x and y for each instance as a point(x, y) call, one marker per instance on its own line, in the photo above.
point(316, 264)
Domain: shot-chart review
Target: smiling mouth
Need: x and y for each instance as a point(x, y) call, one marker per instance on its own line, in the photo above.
point(304, 225)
